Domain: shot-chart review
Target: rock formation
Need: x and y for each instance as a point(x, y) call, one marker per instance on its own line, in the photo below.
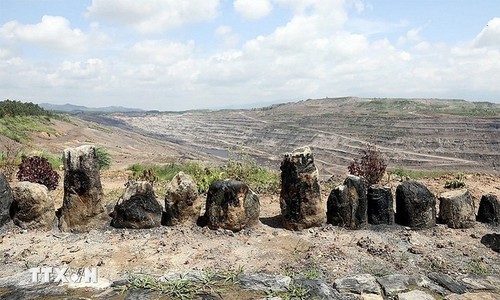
point(347, 204)
point(456, 209)
point(231, 205)
point(137, 208)
point(489, 210)
point(300, 197)
point(32, 208)
point(180, 200)
point(82, 205)
point(415, 205)
point(5, 200)
point(380, 205)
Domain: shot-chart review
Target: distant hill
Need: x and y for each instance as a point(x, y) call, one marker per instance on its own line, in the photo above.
point(70, 108)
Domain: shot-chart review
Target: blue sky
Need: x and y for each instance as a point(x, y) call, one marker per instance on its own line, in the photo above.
point(176, 55)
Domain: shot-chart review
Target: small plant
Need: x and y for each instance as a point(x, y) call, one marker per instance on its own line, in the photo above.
point(477, 267)
point(456, 183)
point(370, 166)
point(103, 158)
point(37, 169)
point(9, 158)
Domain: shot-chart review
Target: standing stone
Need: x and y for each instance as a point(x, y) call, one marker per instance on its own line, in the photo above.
point(231, 205)
point(380, 205)
point(456, 209)
point(489, 210)
point(32, 207)
point(347, 204)
point(300, 197)
point(137, 208)
point(82, 207)
point(180, 200)
point(5, 200)
point(415, 205)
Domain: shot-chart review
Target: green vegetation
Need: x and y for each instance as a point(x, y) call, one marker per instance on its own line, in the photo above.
point(456, 183)
point(9, 108)
point(103, 157)
point(477, 267)
point(416, 174)
point(258, 178)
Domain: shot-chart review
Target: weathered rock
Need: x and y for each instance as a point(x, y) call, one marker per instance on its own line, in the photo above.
point(180, 200)
point(231, 205)
point(380, 205)
point(137, 208)
point(448, 282)
point(319, 289)
point(264, 282)
point(358, 284)
point(456, 209)
point(415, 295)
point(32, 207)
point(82, 207)
point(5, 200)
point(415, 205)
point(397, 283)
point(491, 241)
point(347, 204)
point(489, 210)
point(300, 197)
point(475, 282)
point(474, 296)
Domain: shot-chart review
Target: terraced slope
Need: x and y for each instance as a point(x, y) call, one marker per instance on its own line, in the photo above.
point(418, 134)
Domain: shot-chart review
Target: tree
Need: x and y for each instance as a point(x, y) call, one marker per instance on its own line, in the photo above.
point(370, 166)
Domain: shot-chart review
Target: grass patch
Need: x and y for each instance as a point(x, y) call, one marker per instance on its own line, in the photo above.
point(17, 128)
point(416, 174)
point(478, 267)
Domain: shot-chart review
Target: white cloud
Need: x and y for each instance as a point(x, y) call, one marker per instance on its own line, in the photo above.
point(253, 9)
point(160, 51)
point(229, 37)
point(52, 33)
point(153, 16)
point(490, 35)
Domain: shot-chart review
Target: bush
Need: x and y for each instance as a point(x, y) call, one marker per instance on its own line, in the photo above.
point(456, 183)
point(37, 169)
point(103, 157)
point(370, 166)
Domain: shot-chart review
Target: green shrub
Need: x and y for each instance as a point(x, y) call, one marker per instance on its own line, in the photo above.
point(456, 183)
point(103, 157)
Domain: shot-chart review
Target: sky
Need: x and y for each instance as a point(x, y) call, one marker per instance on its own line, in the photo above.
point(197, 54)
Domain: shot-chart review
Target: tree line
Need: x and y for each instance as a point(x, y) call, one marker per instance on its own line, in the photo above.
point(13, 108)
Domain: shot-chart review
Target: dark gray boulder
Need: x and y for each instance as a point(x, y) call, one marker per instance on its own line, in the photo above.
point(231, 205)
point(489, 210)
point(5, 200)
point(347, 204)
point(456, 209)
point(32, 207)
point(492, 241)
point(415, 205)
point(82, 208)
point(181, 200)
point(137, 208)
point(300, 197)
point(380, 205)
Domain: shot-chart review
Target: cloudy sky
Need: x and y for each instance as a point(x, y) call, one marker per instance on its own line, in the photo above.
point(175, 55)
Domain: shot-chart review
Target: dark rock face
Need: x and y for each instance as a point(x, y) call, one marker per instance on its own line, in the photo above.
point(415, 205)
point(5, 200)
point(231, 205)
point(300, 197)
point(137, 208)
point(380, 205)
point(347, 204)
point(448, 282)
point(32, 207)
point(491, 241)
point(489, 210)
point(180, 200)
point(456, 209)
point(82, 205)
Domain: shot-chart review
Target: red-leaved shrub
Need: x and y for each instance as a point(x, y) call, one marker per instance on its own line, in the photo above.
point(370, 166)
point(37, 169)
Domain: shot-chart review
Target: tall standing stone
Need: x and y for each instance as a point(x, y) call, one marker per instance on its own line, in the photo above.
point(32, 208)
point(5, 200)
point(300, 197)
point(347, 204)
point(180, 200)
point(82, 207)
point(415, 205)
point(489, 210)
point(231, 205)
point(380, 205)
point(456, 209)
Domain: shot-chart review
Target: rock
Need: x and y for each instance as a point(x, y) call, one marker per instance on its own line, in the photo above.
point(32, 207)
point(358, 284)
point(474, 296)
point(82, 207)
point(5, 200)
point(456, 209)
point(264, 282)
point(491, 241)
point(137, 208)
point(347, 204)
point(415, 295)
point(415, 205)
point(397, 283)
point(489, 210)
point(231, 205)
point(482, 282)
point(300, 197)
point(380, 205)
point(448, 282)
point(180, 200)
point(319, 289)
